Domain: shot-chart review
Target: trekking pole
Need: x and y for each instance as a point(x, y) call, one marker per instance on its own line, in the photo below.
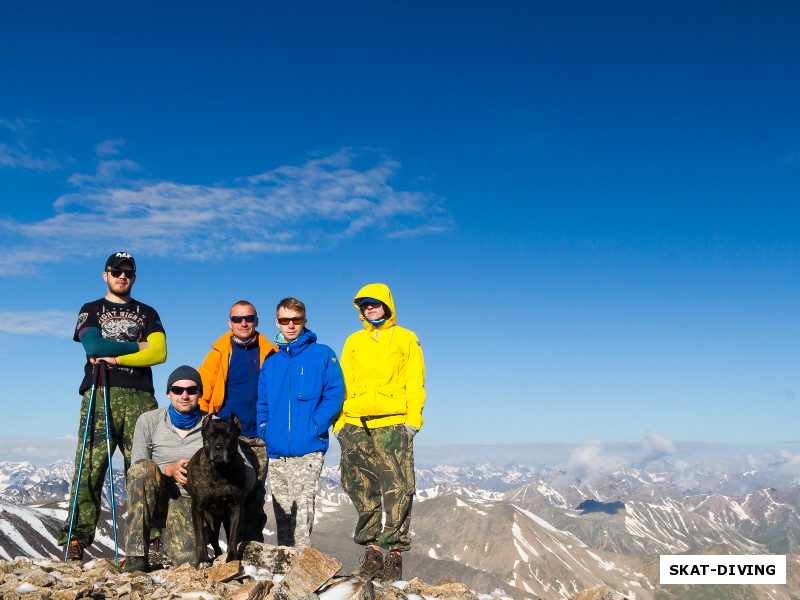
point(104, 379)
point(89, 418)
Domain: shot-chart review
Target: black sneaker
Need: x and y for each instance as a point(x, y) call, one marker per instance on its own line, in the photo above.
point(393, 567)
point(371, 564)
point(74, 551)
point(135, 564)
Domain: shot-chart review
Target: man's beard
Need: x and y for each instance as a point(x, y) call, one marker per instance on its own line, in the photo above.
point(120, 289)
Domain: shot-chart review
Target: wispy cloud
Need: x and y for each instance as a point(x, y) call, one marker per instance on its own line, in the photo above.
point(44, 322)
point(591, 460)
point(656, 446)
point(789, 464)
point(14, 151)
point(288, 209)
point(39, 451)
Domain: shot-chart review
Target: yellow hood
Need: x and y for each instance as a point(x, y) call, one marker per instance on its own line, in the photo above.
point(379, 291)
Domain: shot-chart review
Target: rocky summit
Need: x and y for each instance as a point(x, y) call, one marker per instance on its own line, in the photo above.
point(264, 573)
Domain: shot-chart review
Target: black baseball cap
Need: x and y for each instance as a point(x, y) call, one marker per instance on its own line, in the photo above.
point(116, 259)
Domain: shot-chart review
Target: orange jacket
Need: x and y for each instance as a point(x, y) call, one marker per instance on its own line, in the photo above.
point(214, 370)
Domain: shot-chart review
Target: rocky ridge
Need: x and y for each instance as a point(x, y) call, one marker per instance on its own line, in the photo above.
point(547, 538)
point(264, 573)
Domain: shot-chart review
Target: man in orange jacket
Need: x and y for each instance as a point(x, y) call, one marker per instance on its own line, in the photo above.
point(230, 386)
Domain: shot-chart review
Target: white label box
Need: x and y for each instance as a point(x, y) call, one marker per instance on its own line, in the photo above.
point(716, 569)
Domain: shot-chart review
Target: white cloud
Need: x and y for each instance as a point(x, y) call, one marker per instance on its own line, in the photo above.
point(44, 322)
point(287, 209)
point(788, 463)
point(591, 460)
point(108, 147)
point(40, 451)
point(15, 153)
point(656, 446)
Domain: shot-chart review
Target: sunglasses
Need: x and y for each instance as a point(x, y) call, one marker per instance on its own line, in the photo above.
point(247, 318)
point(295, 320)
point(178, 390)
point(129, 273)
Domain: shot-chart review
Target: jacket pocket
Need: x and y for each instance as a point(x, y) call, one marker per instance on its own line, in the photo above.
point(310, 388)
point(389, 401)
point(373, 400)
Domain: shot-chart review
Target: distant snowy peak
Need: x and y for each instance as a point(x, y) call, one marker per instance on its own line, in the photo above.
point(19, 473)
point(485, 476)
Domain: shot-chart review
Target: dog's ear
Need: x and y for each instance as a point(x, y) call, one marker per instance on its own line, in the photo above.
point(206, 420)
point(236, 422)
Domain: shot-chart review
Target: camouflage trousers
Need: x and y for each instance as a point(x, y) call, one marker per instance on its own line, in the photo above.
point(293, 481)
point(125, 407)
point(254, 519)
point(377, 469)
point(155, 512)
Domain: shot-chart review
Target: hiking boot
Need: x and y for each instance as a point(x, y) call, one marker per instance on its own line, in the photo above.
point(136, 563)
point(74, 551)
point(371, 564)
point(392, 568)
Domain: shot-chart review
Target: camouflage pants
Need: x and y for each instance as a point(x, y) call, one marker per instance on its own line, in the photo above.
point(293, 481)
point(378, 475)
point(254, 519)
point(125, 405)
point(152, 509)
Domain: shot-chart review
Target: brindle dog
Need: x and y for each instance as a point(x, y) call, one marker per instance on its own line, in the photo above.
point(216, 480)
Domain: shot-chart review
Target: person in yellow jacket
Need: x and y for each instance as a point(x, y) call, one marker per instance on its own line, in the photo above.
point(384, 375)
point(230, 386)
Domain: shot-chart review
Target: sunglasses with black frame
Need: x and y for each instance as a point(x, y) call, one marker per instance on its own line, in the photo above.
point(178, 390)
point(246, 318)
point(129, 273)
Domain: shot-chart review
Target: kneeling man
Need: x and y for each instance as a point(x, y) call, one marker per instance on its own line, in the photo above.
point(159, 506)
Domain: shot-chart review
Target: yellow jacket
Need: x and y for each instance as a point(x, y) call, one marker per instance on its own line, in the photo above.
point(384, 372)
point(214, 370)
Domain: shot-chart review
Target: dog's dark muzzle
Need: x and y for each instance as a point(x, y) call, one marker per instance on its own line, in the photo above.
point(219, 454)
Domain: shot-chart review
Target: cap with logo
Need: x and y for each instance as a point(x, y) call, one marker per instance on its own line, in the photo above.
point(116, 259)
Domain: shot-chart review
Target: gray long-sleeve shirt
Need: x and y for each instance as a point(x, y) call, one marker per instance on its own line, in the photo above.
point(155, 439)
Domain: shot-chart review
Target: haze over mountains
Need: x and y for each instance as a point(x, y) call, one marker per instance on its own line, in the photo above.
point(533, 531)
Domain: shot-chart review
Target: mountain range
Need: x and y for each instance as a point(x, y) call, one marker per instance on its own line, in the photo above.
point(533, 532)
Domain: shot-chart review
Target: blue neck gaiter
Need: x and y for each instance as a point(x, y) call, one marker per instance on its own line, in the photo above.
point(184, 421)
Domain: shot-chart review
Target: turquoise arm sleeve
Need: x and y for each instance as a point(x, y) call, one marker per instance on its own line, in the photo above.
point(96, 345)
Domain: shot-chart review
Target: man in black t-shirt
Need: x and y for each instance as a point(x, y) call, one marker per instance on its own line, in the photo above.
point(129, 337)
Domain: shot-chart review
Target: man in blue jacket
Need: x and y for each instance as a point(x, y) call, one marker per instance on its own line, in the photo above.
point(300, 394)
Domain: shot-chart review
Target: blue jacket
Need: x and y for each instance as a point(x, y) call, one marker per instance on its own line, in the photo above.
point(300, 393)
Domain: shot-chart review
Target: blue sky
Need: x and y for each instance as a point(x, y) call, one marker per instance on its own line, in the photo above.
point(586, 211)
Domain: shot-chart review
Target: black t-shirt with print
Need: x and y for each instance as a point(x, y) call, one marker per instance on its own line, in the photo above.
point(129, 322)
